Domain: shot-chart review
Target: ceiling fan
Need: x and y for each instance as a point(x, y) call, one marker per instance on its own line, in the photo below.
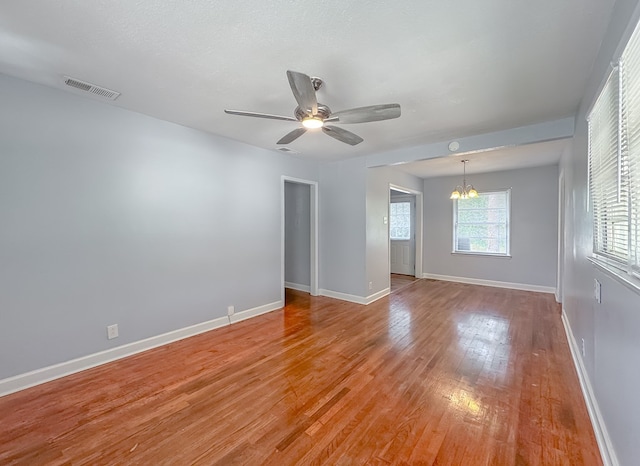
point(315, 115)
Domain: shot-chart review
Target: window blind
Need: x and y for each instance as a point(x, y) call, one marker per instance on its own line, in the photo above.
point(630, 122)
point(608, 174)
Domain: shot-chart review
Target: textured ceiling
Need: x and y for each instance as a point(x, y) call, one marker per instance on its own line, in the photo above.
point(457, 68)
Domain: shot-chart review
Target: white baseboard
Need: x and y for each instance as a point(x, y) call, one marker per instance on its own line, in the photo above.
point(56, 371)
point(353, 298)
point(256, 311)
point(343, 296)
point(296, 286)
point(479, 281)
point(376, 296)
point(600, 429)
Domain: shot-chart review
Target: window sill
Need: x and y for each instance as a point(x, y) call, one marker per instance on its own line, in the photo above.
point(617, 274)
point(481, 254)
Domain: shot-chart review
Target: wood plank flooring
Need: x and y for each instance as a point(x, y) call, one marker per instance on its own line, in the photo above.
point(399, 281)
point(436, 373)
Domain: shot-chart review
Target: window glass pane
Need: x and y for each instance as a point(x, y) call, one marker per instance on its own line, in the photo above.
point(400, 220)
point(481, 224)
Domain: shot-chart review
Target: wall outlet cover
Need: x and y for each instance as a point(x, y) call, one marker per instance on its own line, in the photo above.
point(112, 331)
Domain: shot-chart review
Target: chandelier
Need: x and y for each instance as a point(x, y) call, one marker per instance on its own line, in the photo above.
point(465, 191)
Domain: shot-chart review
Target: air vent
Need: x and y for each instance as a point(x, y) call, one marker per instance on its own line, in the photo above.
point(92, 88)
point(287, 150)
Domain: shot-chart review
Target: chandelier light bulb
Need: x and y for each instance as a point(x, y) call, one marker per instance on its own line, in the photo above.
point(465, 191)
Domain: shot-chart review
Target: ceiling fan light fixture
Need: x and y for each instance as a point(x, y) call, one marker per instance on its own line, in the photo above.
point(313, 115)
point(312, 123)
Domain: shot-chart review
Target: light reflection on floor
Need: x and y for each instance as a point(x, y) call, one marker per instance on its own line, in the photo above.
point(484, 347)
point(463, 400)
point(485, 341)
point(400, 324)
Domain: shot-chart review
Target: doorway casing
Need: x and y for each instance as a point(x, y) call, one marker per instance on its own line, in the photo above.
point(418, 226)
point(313, 228)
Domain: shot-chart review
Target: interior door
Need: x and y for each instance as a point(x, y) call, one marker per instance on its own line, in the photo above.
point(402, 236)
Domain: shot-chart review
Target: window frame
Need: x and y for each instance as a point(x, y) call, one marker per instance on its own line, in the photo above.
point(624, 263)
point(607, 184)
point(507, 253)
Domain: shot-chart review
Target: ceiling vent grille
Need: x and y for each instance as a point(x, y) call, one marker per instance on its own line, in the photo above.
point(287, 150)
point(92, 88)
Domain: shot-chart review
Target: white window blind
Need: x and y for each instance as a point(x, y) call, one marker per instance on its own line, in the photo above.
point(630, 124)
point(481, 224)
point(608, 175)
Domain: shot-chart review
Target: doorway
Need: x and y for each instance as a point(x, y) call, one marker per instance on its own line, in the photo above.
point(561, 236)
point(299, 236)
point(405, 243)
point(402, 221)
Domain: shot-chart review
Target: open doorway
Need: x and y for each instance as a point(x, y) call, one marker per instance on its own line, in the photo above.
point(299, 236)
point(405, 265)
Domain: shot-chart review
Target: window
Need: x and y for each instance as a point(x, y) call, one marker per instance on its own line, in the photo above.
point(481, 224)
point(630, 116)
point(614, 164)
point(607, 175)
point(400, 220)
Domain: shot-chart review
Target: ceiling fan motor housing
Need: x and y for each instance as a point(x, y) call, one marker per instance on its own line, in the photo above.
point(316, 82)
point(322, 113)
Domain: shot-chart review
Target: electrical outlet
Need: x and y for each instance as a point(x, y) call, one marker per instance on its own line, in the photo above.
point(231, 310)
point(583, 351)
point(597, 291)
point(112, 331)
point(371, 285)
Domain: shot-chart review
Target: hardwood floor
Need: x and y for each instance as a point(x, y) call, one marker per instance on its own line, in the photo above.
point(399, 281)
point(436, 373)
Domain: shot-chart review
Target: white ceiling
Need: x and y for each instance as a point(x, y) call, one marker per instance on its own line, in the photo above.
point(457, 68)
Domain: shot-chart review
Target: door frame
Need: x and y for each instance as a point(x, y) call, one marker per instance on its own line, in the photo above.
point(418, 229)
point(411, 200)
point(561, 245)
point(313, 229)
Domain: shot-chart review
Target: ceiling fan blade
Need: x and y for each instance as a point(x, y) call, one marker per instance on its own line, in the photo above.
point(342, 135)
point(303, 91)
point(259, 115)
point(292, 136)
point(366, 114)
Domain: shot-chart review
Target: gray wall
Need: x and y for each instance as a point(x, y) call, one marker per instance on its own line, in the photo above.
point(342, 189)
point(611, 330)
point(534, 228)
point(109, 216)
point(297, 233)
point(378, 180)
